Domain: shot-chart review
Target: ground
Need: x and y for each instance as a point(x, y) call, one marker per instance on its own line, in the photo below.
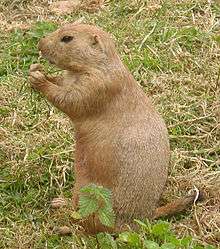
point(172, 49)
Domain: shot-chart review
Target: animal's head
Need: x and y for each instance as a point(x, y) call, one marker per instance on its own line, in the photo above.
point(78, 46)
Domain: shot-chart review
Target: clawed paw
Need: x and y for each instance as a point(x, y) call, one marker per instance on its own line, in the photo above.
point(37, 77)
point(36, 67)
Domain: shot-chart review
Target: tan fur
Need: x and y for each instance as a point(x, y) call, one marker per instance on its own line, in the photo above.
point(121, 140)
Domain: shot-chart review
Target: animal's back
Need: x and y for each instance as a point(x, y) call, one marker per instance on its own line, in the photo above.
point(143, 154)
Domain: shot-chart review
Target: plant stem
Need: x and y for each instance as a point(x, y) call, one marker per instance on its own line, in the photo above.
point(96, 237)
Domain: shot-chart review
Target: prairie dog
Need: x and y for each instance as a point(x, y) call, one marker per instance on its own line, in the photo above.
point(121, 140)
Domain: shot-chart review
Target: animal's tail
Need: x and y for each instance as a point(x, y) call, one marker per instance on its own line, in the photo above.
point(179, 205)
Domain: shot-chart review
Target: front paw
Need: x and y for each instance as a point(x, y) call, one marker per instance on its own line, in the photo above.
point(36, 67)
point(37, 79)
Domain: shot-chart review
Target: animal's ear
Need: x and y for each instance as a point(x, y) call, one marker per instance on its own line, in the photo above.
point(97, 42)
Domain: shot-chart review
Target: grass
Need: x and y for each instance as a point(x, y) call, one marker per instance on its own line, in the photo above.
point(171, 49)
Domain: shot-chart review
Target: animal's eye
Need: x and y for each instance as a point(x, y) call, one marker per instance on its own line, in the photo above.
point(66, 39)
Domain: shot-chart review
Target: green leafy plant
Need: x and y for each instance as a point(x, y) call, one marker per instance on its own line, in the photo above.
point(158, 235)
point(96, 200)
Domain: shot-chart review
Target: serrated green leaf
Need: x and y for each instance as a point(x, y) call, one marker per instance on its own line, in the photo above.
point(106, 216)
point(112, 242)
point(105, 193)
point(87, 206)
point(87, 188)
point(148, 244)
point(98, 191)
point(96, 199)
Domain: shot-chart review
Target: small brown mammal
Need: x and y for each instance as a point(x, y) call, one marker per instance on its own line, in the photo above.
point(121, 140)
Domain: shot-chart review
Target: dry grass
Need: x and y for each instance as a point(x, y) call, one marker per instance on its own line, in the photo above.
point(170, 49)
